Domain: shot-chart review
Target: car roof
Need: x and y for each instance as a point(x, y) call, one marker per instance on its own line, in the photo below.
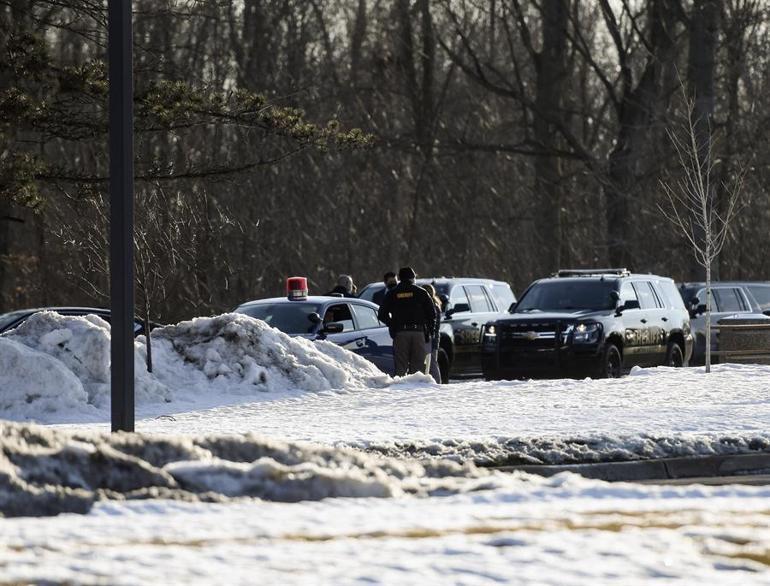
point(309, 299)
point(445, 281)
point(689, 284)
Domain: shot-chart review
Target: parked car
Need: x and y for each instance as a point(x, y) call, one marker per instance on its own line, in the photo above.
point(467, 304)
point(730, 299)
point(348, 322)
point(13, 319)
point(597, 323)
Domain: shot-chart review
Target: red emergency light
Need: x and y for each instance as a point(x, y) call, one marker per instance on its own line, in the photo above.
point(296, 288)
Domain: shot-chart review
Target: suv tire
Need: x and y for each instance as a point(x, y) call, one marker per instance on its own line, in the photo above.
point(674, 356)
point(443, 365)
point(611, 365)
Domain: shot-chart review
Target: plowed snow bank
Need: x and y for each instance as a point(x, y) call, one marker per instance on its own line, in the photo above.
point(44, 471)
point(54, 364)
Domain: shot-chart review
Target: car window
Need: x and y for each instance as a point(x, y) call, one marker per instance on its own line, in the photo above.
point(627, 293)
point(372, 291)
point(458, 296)
point(340, 313)
point(478, 299)
point(729, 299)
point(647, 299)
point(503, 295)
point(670, 294)
point(761, 295)
point(366, 317)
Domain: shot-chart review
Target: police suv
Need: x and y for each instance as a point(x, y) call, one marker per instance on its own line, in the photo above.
point(597, 323)
point(348, 322)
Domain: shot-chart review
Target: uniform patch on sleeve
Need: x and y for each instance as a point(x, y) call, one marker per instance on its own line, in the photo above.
point(404, 295)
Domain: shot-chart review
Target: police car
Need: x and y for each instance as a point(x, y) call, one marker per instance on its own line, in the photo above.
point(348, 322)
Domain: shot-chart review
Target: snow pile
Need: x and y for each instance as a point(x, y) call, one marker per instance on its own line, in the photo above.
point(44, 471)
point(81, 347)
point(588, 449)
point(35, 383)
point(55, 366)
point(234, 351)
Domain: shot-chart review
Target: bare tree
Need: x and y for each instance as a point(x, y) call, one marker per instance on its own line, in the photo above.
point(693, 204)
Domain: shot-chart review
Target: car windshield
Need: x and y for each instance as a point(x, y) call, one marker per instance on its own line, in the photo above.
point(290, 317)
point(567, 296)
point(8, 319)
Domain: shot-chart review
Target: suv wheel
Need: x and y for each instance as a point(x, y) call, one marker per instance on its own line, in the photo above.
point(443, 365)
point(611, 365)
point(674, 355)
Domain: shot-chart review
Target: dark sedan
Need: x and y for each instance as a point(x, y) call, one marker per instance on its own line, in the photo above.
point(348, 322)
point(13, 319)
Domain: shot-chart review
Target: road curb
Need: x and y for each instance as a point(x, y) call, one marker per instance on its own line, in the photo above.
point(658, 469)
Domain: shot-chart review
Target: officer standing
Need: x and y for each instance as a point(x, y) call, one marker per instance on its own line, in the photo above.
point(408, 312)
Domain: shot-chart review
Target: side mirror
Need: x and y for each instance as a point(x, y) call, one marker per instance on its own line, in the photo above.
point(334, 327)
point(314, 318)
point(459, 308)
point(700, 309)
point(512, 307)
point(630, 304)
point(767, 312)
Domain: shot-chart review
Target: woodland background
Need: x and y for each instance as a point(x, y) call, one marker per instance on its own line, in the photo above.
point(496, 138)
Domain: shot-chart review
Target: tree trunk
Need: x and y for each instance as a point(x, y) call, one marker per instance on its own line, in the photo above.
point(636, 113)
point(551, 67)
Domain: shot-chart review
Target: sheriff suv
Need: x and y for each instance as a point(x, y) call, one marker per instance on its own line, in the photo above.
point(597, 323)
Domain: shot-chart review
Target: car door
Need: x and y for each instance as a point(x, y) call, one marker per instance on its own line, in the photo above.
point(731, 302)
point(483, 310)
point(633, 328)
point(377, 345)
point(349, 338)
point(653, 349)
point(459, 318)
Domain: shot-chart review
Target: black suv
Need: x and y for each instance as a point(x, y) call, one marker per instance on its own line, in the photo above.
point(467, 304)
point(596, 323)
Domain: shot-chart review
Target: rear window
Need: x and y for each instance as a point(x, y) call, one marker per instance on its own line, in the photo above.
point(761, 294)
point(503, 295)
point(671, 296)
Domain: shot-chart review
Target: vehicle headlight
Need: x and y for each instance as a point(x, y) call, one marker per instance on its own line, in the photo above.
point(587, 333)
point(490, 334)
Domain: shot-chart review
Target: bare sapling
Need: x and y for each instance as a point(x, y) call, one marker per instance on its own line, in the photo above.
point(693, 203)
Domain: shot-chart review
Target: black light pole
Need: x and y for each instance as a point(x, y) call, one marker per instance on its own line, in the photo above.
point(121, 133)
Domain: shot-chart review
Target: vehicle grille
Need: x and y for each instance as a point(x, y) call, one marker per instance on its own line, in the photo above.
point(530, 335)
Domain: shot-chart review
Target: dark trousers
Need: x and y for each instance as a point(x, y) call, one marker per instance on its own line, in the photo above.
point(410, 352)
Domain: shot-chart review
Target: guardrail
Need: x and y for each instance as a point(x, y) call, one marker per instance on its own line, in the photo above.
point(744, 342)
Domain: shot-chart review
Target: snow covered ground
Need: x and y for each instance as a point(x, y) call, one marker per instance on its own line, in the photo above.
point(187, 507)
point(198, 511)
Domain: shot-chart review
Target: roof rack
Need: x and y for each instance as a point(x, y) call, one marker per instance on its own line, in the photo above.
point(591, 272)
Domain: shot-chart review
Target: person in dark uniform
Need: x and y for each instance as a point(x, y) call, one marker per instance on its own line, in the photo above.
point(409, 313)
point(389, 279)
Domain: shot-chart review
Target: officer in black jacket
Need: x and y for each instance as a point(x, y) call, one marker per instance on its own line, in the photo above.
point(409, 313)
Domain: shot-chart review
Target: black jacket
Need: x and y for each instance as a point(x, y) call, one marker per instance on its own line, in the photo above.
point(339, 290)
point(408, 307)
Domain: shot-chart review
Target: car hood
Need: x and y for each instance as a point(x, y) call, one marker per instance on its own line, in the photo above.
point(540, 316)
